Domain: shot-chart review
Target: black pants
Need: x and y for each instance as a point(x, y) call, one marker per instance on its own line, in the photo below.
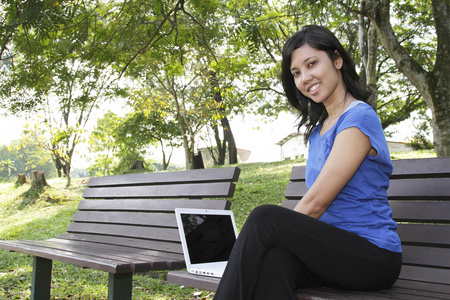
point(279, 250)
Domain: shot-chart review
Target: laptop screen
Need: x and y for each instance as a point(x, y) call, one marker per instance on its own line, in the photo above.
point(209, 238)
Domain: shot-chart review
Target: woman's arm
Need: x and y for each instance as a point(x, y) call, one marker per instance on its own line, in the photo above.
point(350, 148)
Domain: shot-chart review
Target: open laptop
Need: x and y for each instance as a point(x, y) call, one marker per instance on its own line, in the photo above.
point(207, 237)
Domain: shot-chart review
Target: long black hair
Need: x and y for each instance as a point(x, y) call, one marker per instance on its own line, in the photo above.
point(320, 38)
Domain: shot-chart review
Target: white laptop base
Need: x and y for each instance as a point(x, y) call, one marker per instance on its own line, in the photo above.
point(208, 269)
point(207, 237)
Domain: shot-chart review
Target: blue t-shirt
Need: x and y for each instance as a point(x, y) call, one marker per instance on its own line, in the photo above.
point(362, 206)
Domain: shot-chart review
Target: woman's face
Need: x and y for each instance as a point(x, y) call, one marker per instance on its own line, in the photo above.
point(316, 75)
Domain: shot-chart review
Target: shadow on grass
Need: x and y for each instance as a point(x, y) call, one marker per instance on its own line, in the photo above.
point(30, 197)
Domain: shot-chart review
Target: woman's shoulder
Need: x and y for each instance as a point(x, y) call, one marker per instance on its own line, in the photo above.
point(359, 105)
point(359, 110)
point(362, 116)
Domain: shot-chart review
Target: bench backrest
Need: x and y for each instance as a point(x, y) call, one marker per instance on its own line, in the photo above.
point(419, 195)
point(137, 210)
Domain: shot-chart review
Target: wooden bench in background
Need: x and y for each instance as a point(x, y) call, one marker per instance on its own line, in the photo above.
point(125, 225)
point(419, 195)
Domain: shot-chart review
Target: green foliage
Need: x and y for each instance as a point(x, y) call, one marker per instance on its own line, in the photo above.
point(420, 141)
point(21, 158)
point(103, 141)
point(118, 142)
point(76, 52)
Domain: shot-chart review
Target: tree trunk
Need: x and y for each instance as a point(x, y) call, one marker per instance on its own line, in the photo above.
point(58, 166)
point(371, 72)
point(137, 165)
point(434, 86)
point(38, 180)
point(221, 148)
point(227, 133)
point(368, 48)
point(21, 179)
point(166, 160)
point(441, 119)
point(197, 161)
point(229, 137)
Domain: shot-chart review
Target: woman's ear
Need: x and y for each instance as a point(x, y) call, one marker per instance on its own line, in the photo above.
point(338, 61)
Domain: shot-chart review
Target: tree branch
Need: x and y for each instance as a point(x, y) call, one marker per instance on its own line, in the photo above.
point(379, 12)
point(178, 6)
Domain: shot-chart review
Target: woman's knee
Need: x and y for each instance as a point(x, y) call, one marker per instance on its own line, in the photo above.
point(264, 211)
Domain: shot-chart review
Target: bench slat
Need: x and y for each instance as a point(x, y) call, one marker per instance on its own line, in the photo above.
point(161, 234)
point(433, 275)
point(295, 190)
point(197, 281)
point(428, 188)
point(423, 286)
point(139, 262)
point(215, 189)
point(119, 248)
point(153, 205)
point(403, 168)
point(298, 173)
point(139, 258)
point(130, 218)
point(424, 233)
point(423, 211)
point(290, 204)
point(133, 242)
point(392, 293)
point(426, 256)
point(87, 261)
point(421, 168)
point(230, 174)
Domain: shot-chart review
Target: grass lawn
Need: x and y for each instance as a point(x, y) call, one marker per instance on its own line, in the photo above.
point(25, 215)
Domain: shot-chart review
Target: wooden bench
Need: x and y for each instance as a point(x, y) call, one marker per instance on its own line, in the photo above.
point(125, 225)
point(419, 195)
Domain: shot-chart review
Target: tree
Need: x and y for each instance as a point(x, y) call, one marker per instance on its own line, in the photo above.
point(430, 75)
point(180, 94)
point(102, 140)
point(393, 96)
point(27, 156)
point(116, 148)
point(146, 127)
point(266, 26)
point(57, 69)
point(8, 166)
point(227, 133)
point(122, 141)
point(240, 41)
point(190, 36)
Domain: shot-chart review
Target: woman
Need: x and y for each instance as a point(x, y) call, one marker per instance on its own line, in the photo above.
point(341, 234)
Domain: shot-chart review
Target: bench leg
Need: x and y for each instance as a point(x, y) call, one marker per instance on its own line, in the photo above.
point(120, 286)
point(41, 278)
